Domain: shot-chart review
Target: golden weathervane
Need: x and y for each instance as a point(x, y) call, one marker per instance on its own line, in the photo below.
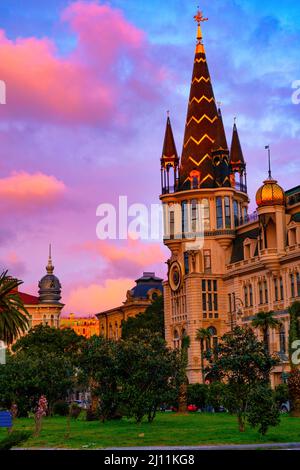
point(199, 18)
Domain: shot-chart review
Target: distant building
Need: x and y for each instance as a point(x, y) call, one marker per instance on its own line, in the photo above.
point(147, 288)
point(84, 326)
point(45, 308)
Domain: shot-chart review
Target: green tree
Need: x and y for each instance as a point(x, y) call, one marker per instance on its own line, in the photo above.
point(243, 364)
point(99, 367)
point(147, 375)
point(46, 339)
point(197, 395)
point(262, 409)
point(265, 321)
point(294, 376)
point(13, 314)
point(152, 320)
point(25, 377)
point(203, 335)
point(183, 364)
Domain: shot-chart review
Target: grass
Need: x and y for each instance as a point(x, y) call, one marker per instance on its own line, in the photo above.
point(168, 429)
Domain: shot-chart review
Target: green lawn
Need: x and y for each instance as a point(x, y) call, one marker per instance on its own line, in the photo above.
point(167, 429)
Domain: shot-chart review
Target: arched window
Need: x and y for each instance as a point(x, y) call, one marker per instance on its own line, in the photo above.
point(282, 339)
point(52, 320)
point(214, 338)
point(260, 288)
point(281, 288)
point(176, 340)
point(251, 295)
point(292, 277)
point(266, 292)
point(246, 296)
point(110, 331)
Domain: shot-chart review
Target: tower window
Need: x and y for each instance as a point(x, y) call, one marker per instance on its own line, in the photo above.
point(184, 218)
point(210, 298)
point(206, 214)
point(236, 213)
point(172, 224)
point(219, 213)
point(227, 212)
point(194, 215)
point(186, 263)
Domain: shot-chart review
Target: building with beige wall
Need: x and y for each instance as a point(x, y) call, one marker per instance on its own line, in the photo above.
point(225, 265)
point(85, 326)
point(147, 288)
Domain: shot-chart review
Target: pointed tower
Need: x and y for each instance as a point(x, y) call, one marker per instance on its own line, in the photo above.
point(169, 160)
point(49, 285)
point(237, 163)
point(196, 168)
point(220, 155)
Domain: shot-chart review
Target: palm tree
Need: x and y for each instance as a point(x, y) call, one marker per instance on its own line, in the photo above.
point(13, 314)
point(265, 321)
point(182, 399)
point(203, 335)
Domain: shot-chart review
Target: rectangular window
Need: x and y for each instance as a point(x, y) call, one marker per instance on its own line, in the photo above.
point(172, 224)
point(206, 214)
point(229, 303)
point(186, 263)
point(281, 289)
point(184, 218)
point(266, 292)
point(194, 215)
point(261, 299)
point(204, 302)
point(276, 290)
point(246, 296)
point(251, 295)
point(219, 213)
point(292, 285)
point(236, 213)
point(210, 305)
point(207, 261)
point(216, 302)
point(227, 212)
point(298, 284)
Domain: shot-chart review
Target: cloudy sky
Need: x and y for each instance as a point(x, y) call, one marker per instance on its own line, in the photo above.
point(88, 87)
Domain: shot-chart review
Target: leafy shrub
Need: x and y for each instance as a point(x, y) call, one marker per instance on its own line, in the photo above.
point(13, 439)
point(216, 395)
point(281, 394)
point(91, 415)
point(75, 410)
point(61, 408)
point(197, 395)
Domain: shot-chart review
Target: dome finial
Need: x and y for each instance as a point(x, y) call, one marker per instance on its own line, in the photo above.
point(50, 267)
point(267, 147)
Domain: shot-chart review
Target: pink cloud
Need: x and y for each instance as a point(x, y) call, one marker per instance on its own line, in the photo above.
point(98, 81)
point(23, 188)
point(95, 298)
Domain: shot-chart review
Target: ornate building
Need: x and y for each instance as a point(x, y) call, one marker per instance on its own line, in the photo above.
point(225, 264)
point(147, 288)
point(84, 326)
point(46, 308)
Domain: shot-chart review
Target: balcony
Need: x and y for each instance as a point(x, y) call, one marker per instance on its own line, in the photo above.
point(240, 187)
point(248, 219)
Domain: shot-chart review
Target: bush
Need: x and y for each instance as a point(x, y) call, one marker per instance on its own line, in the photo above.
point(91, 415)
point(61, 408)
point(13, 439)
point(216, 395)
point(75, 410)
point(197, 395)
point(281, 394)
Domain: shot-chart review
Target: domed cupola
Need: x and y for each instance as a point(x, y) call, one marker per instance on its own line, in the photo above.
point(270, 194)
point(49, 285)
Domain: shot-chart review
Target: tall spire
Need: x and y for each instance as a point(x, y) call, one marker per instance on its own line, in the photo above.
point(221, 141)
point(169, 152)
point(169, 159)
point(50, 267)
point(201, 122)
point(236, 153)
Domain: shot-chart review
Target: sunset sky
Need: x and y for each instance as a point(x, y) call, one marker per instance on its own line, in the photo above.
point(88, 87)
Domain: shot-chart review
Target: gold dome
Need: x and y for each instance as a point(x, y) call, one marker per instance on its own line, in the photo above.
point(270, 194)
